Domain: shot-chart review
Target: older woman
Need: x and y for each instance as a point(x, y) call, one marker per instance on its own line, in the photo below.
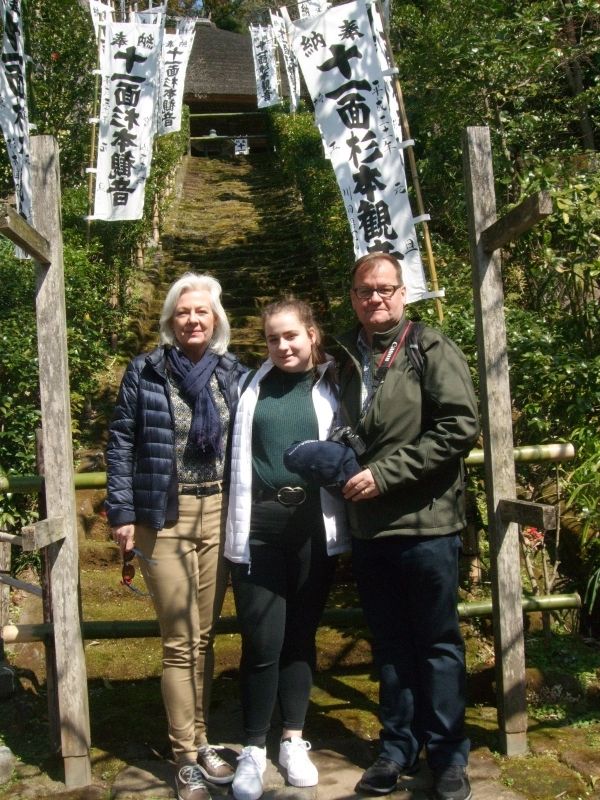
point(167, 459)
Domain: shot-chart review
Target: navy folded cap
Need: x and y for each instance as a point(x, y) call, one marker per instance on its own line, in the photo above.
point(326, 463)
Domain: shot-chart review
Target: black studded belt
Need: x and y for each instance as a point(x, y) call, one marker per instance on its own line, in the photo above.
point(201, 489)
point(287, 495)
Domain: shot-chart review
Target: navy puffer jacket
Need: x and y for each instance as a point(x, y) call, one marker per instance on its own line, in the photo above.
point(140, 456)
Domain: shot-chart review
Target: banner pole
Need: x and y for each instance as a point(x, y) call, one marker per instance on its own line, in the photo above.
point(92, 160)
point(413, 172)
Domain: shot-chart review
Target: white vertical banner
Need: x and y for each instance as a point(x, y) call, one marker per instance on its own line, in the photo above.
point(152, 16)
point(265, 66)
point(311, 8)
point(101, 14)
point(280, 33)
point(387, 67)
point(14, 117)
point(155, 17)
point(176, 51)
point(338, 59)
point(129, 67)
point(241, 146)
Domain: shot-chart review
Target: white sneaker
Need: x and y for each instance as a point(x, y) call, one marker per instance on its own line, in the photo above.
point(248, 778)
point(293, 756)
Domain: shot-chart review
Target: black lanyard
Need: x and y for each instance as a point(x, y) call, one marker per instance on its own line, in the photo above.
point(385, 362)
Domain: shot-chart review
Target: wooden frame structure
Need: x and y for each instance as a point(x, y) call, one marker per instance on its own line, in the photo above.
point(487, 235)
point(58, 533)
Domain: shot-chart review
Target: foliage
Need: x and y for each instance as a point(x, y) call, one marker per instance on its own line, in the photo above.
point(61, 85)
point(528, 70)
point(89, 321)
point(236, 15)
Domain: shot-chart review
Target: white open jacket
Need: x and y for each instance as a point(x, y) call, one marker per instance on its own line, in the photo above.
point(237, 547)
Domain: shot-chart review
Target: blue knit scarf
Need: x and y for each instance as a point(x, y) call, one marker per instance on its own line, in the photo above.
point(194, 384)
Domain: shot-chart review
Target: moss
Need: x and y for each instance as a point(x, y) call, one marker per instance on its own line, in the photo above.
point(542, 778)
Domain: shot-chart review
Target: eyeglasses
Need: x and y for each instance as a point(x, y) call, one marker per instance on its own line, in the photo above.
point(366, 292)
point(128, 570)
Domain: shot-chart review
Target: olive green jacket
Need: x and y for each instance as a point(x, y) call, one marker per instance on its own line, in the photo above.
point(417, 434)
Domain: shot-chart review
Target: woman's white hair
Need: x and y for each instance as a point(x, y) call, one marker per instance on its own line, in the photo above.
point(188, 283)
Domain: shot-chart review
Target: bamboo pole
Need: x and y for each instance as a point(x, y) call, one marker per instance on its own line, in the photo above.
point(534, 453)
point(412, 163)
point(92, 161)
point(334, 617)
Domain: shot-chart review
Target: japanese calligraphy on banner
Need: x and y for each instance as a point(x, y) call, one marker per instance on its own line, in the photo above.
point(129, 66)
point(176, 51)
point(101, 14)
point(265, 66)
point(337, 55)
point(153, 16)
point(240, 146)
point(310, 8)
point(280, 34)
point(386, 64)
point(14, 118)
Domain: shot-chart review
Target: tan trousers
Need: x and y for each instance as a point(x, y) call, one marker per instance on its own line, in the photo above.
point(187, 584)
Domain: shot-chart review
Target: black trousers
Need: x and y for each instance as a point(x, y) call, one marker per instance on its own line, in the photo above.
point(408, 588)
point(279, 600)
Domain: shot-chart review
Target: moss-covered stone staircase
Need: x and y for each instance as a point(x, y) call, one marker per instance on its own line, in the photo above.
point(236, 219)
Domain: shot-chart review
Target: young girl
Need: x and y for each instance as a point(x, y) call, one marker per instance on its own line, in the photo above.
point(282, 537)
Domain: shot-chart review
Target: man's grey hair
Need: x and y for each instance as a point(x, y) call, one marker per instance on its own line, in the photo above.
point(370, 258)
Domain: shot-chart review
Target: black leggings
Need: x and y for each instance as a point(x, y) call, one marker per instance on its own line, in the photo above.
point(279, 600)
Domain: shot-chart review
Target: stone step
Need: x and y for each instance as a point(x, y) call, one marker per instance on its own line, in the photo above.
point(240, 222)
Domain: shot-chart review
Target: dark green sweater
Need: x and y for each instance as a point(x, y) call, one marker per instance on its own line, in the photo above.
point(284, 414)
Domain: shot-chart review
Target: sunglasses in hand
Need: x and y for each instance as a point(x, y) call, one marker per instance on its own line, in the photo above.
point(128, 570)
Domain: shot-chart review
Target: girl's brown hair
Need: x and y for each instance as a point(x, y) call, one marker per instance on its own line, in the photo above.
point(306, 316)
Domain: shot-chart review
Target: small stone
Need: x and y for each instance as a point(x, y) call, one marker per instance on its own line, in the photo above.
point(7, 764)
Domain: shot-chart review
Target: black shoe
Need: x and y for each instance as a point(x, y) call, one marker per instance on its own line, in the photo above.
point(451, 783)
point(380, 778)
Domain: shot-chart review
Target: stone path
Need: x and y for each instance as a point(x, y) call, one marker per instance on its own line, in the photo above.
point(238, 220)
point(338, 776)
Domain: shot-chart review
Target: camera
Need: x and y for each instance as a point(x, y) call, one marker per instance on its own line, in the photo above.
point(345, 435)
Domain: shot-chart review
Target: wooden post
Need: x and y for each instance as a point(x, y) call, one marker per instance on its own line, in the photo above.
point(4, 590)
point(63, 556)
point(498, 444)
point(49, 649)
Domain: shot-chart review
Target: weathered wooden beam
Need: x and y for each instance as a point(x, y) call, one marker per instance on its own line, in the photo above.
point(17, 584)
point(223, 114)
point(223, 136)
point(43, 533)
point(19, 231)
point(62, 557)
point(5, 559)
point(519, 220)
point(523, 512)
point(500, 482)
point(11, 538)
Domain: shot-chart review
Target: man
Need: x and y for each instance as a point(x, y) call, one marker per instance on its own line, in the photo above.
point(407, 510)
